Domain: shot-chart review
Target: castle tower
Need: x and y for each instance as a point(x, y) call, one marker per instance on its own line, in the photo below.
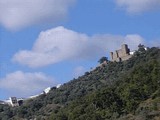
point(111, 54)
point(125, 49)
point(121, 54)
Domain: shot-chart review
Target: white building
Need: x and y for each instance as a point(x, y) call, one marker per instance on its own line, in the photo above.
point(59, 85)
point(13, 101)
point(46, 91)
point(34, 96)
point(132, 52)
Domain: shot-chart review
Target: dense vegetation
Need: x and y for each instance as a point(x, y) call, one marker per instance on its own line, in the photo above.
point(128, 90)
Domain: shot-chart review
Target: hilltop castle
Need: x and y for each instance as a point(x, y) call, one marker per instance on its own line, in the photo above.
point(121, 54)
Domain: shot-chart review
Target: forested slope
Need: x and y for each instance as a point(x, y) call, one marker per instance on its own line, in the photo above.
point(125, 90)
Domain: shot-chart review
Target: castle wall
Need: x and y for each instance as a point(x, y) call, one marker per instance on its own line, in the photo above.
point(126, 57)
point(121, 54)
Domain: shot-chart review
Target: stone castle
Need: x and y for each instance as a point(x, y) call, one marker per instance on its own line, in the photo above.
point(121, 54)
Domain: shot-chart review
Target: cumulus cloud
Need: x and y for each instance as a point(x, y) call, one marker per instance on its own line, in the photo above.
point(22, 84)
point(60, 44)
point(138, 6)
point(16, 14)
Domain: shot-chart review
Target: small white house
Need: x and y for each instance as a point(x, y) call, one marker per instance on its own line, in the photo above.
point(46, 91)
point(132, 52)
point(13, 101)
point(59, 85)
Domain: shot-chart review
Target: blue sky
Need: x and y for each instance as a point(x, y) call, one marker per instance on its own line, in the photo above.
point(44, 43)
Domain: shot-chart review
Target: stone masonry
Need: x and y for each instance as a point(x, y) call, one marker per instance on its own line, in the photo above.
point(121, 54)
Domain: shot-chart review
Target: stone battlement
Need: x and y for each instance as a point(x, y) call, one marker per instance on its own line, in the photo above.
point(121, 54)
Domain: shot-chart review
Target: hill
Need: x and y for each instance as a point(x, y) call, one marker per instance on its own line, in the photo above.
point(128, 90)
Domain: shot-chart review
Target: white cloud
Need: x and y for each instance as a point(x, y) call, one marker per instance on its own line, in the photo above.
point(16, 14)
point(138, 6)
point(60, 44)
point(22, 84)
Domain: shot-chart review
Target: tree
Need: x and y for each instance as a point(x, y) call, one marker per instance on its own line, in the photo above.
point(141, 48)
point(103, 59)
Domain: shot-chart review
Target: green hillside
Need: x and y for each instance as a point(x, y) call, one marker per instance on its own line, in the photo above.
point(128, 90)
